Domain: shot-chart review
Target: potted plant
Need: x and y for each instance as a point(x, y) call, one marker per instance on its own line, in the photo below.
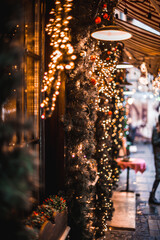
point(49, 219)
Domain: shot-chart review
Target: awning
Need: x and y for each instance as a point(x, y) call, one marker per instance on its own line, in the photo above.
point(139, 11)
point(144, 44)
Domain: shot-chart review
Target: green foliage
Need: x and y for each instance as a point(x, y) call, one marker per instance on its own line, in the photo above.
point(15, 183)
point(79, 128)
point(56, 202)
point(10, 52)
point(16, 163)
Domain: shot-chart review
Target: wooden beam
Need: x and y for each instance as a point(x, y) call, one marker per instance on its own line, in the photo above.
point(119, 1)
point(155, 5)
point(153, 2)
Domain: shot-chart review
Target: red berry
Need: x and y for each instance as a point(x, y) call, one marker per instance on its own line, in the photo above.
point(105, 16)
point(110, 113)
point(93, 57)
point(93, 80)
point(98, 20)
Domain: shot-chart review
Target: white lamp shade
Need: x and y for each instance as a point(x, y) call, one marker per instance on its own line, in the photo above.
point(111, 33)
point(124, 65)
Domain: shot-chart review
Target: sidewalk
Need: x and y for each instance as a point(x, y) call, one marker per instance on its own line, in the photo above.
point(147, 216)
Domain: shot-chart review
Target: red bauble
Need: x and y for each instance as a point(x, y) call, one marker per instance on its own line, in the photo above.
point(93, 57)
point(93, 81)
point(107, 58)
point(104, 5)
point(108, 52)
point(110, 113)
point(105, 16)
point(98, 20)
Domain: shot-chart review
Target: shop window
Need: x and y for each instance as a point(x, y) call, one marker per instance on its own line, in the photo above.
point(24, 101)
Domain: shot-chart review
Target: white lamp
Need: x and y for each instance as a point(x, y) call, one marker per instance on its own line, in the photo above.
point(111, 33)
point(124, 65)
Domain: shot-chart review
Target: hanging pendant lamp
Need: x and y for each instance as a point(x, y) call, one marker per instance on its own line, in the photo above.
point(106, 27)
point(111, 33)
point(124, 65)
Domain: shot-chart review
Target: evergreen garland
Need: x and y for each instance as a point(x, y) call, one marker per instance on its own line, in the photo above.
point(117, 132)
point(81, 167)
point(80, 127)
point(78, 119)
point(107, 55)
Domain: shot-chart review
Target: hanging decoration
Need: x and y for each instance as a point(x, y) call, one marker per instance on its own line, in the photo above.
point(62, 57)
point(122, 64)
point(106, 30)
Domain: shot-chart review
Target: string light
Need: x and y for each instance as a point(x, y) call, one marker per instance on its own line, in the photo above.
point(104, 71)
point(110, 133)
point(62, 56)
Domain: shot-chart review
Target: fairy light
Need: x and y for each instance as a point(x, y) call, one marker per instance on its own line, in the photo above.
point(104, 71)
point(108, 95)
point(62, 56)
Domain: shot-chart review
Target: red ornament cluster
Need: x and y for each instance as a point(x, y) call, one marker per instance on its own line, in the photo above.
point(104, 15)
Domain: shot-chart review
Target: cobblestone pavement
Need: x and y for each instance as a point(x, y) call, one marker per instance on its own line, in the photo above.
point(141, 232)
point(142, 185)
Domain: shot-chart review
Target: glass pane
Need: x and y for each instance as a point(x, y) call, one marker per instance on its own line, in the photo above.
point(29, 87)
point(37, 28)
point(31, 95)
point(36, 97)
point(29, 25)
point(9, 108)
